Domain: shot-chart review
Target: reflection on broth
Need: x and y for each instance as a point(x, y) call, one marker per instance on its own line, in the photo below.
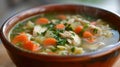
point(63, 34)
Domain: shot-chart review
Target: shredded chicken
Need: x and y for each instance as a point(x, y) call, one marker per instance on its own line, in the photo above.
point(72, 37)
point(38, 29)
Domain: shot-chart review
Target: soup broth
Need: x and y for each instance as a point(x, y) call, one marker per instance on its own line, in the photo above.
point(63, 34)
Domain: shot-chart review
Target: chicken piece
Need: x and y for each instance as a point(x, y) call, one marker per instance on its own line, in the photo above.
point(54, 21)
point(72, 37)
point(66, 34)
point(38, 30)
point(82, 21)
point(76, 39)
point(70, 21)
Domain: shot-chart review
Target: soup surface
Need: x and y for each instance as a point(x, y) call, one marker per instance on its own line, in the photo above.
point(63, 34)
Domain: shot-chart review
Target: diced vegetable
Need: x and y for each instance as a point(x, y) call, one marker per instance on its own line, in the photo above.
point(29, 45)
point(78, 29)
point(39, 39)
point(22, 37)
point(78, 50)
point(30, 24)
point(60, 26)
point(61, 47)
point(87, 34)
point(95, 31)
point(62, 17)
point(42, 21)
point(52, 48)
point(50, 41)
point(49, 34)
point(73, 49)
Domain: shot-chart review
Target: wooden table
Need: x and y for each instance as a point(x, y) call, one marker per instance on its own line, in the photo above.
point(5, 61)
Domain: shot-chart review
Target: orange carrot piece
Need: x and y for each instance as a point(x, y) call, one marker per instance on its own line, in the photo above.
point(78, 29)
point(62, 17)
point(50, 41)
point(22, 37)
point(60, 26)
point(29, 45)
point(42, 21)
point(87, 34)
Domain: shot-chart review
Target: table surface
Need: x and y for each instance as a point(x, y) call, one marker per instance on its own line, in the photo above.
point(5, 61)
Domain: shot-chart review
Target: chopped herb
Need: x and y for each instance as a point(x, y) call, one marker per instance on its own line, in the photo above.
point(43, 33)
point(50, 26)
point(38, 34)
point(61, 41)
point(73, 49)
point(73, 34)
point(95, 31)
point(56, 32)
point(65, 24)
point(68, 27)
point(80, 34)
point(53, 49)
point(32, 39)
point(86, 26)
point(84, 29)
point(18, 29)
point(58, 21)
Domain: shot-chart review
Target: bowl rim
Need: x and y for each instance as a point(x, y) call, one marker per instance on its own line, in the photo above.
point(69, 57)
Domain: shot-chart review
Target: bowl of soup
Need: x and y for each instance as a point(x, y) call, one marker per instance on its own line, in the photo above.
point(62, 35)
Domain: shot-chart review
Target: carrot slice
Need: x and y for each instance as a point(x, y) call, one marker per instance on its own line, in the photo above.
point(22, 37)
point(50, 41)
point(78, 29)
point(60, 26)
point(29, 45)
point(42, 21)
point(62, 17)
point(87, 34)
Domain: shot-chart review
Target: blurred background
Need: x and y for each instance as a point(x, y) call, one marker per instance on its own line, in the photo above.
point(10, 7)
